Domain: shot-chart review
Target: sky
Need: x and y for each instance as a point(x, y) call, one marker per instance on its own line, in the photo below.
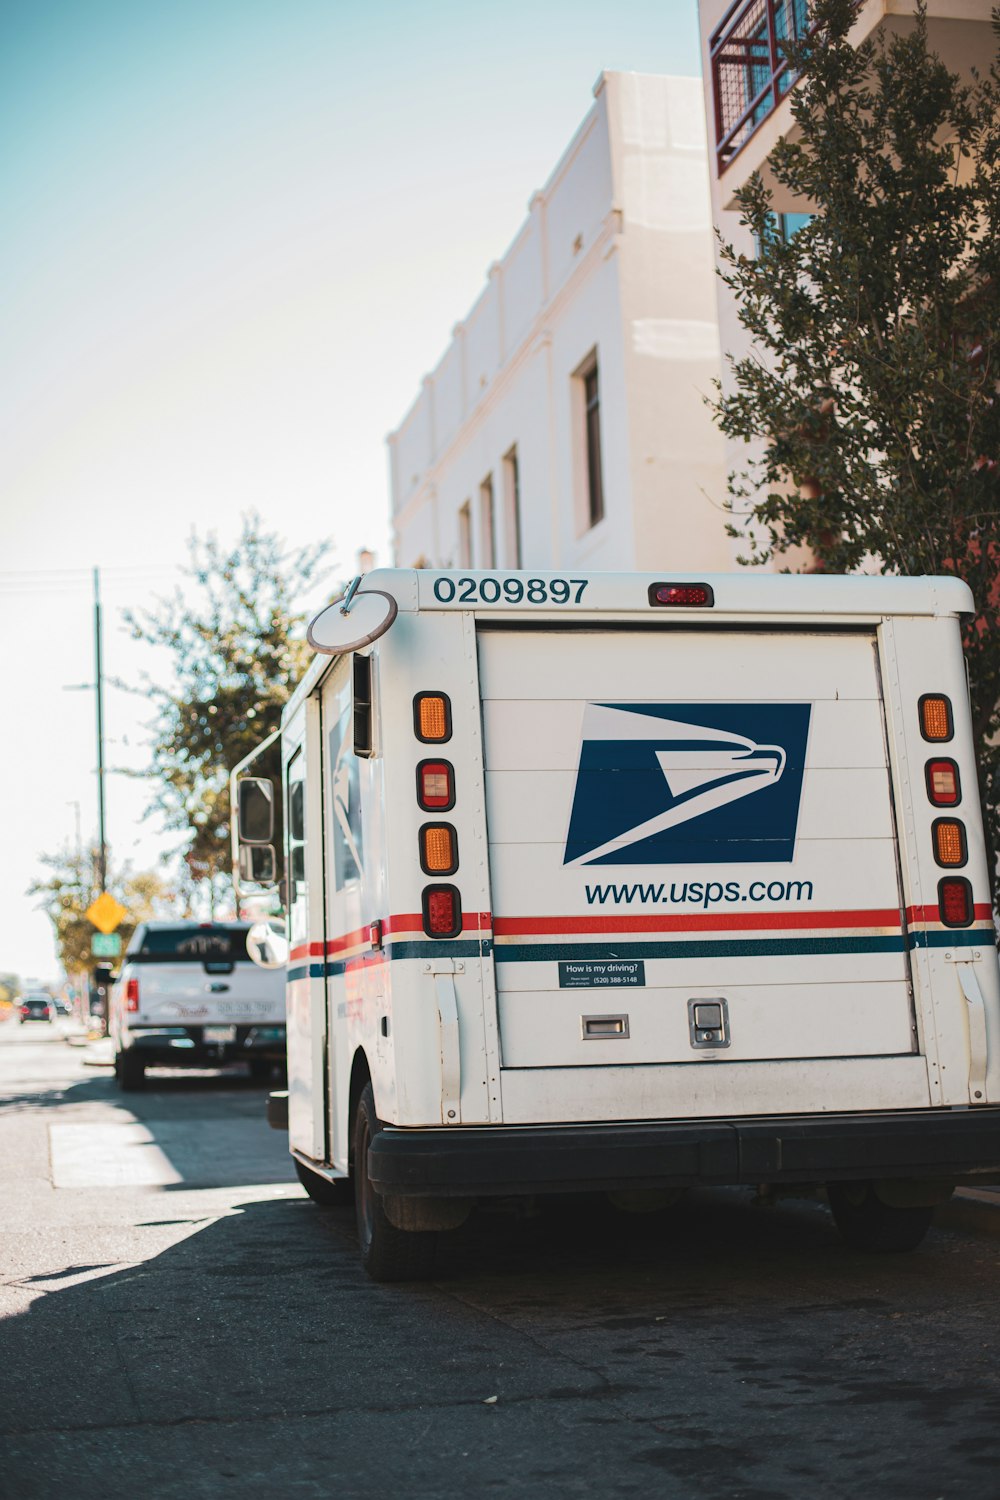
point(237, 233)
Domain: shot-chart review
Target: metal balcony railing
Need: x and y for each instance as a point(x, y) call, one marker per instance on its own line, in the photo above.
point(750, 69)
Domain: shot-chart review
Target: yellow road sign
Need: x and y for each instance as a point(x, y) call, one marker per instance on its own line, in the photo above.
point(105, 912)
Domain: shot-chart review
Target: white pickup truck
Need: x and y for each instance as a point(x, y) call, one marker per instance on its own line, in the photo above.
point(189, 996)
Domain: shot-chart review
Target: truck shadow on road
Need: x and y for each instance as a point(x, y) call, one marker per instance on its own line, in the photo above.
point(248, 1354)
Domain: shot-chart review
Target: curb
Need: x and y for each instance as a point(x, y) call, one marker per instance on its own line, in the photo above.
point(971, 1211)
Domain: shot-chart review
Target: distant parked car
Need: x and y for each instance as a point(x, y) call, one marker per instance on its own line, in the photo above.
point(37, 1008)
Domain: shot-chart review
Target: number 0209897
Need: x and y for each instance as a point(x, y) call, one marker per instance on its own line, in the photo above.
point(509, 590)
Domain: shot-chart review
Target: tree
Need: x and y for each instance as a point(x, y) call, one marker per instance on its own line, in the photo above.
point(870, 400)
point(237, 648)
point(10, 988)
point(69, 890)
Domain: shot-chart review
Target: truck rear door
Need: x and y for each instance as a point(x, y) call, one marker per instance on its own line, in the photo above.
point(692, 850)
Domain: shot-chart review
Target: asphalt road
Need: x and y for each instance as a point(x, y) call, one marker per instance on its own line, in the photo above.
point(177, 1320)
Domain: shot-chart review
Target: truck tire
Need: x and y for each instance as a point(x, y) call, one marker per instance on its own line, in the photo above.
point(387, 1253)
point(866, 1223)
point(130, 1072)
point(321, 1190)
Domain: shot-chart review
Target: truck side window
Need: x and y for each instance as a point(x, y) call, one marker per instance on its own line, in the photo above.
point(364, 744)
point(296, 832)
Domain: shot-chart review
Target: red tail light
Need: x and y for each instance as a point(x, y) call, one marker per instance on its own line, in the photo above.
point(955, 902)
point(442, 911)
point(132, 994)
point(944, 788)
point(435, 786)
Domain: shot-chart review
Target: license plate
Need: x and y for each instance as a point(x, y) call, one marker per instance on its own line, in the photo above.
point(220, 1034)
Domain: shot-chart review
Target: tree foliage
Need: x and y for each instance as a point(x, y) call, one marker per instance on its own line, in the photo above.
point(870, 398)
point(234, 635)
point(71, 886)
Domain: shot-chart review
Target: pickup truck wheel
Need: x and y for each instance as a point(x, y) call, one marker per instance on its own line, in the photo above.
point(130, 1072)
point(321, 1190)
point(866, 1223)
point(387, 1253)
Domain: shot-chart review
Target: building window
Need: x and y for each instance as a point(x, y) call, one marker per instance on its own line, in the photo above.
point(512, 510)
point(781, 229)
point(592, 424)
point(487, 548)
point(465, 535)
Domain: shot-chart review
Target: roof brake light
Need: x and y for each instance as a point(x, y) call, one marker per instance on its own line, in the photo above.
point(681, 595)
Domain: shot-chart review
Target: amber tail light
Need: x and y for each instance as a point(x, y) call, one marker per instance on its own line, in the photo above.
point(936, 722)
point(950, 848)
point(432, 717)
point(438, 849)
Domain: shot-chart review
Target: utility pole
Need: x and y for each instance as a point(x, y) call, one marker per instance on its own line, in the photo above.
point(79, 839)
point(102, 843)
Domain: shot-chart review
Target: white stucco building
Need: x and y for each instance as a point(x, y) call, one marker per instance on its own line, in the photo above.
point(747, 101)
point(565, 425)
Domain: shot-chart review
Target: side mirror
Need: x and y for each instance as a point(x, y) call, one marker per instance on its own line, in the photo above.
point(258, 865)
point(255, 812)
point(267, 945)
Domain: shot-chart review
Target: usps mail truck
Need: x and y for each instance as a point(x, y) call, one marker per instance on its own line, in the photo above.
point(634, 882)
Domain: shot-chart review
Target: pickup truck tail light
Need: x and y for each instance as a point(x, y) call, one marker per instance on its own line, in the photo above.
point(132, 994)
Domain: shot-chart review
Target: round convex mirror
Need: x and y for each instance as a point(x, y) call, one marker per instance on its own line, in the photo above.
point(369, 614)
point(267, 945)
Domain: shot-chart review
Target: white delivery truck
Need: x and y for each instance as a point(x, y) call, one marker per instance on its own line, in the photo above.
point(634, 882)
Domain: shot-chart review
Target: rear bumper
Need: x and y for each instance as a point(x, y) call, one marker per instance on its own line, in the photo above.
point(185, 1047)
point(495, 1161)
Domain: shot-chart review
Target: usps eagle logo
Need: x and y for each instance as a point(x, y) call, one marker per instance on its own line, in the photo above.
point(688, 783)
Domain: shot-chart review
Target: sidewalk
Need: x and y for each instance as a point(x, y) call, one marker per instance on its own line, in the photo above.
point(971, 1211)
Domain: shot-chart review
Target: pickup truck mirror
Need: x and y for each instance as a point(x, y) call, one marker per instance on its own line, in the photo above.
point(267, 945)
point(255, 811)
point(258, 864)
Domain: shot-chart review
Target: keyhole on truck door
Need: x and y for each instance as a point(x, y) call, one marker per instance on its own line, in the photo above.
point(708, 1023)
